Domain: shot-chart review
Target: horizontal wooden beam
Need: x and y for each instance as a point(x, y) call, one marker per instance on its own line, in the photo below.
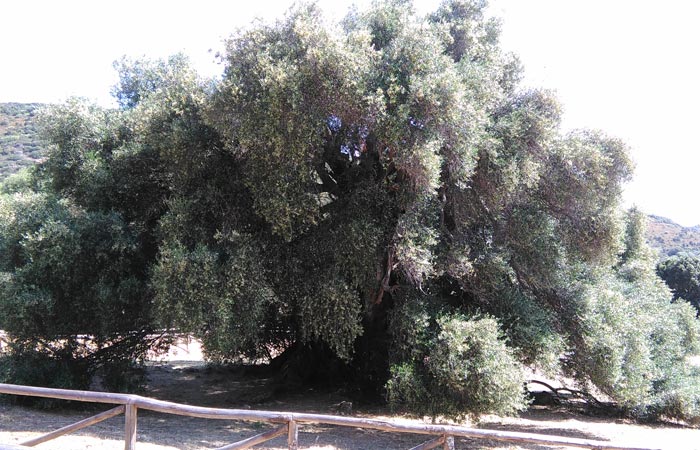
point(75, 427)
point(66, 394)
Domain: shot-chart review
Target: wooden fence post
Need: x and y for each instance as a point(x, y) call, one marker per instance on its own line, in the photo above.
point(431, 444)
point(449, 443)
point(130, 426)
point(293, 435)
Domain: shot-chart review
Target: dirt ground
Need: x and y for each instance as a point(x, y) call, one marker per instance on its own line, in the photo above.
point(182, 377)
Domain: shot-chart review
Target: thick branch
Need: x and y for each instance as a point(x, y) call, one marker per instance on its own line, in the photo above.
point(329, 184)
point(384, 284)
point(564, 393)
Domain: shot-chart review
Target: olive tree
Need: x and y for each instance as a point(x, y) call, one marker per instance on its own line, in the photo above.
point(382, 203)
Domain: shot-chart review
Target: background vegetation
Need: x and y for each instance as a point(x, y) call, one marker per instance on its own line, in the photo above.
point(20, 146)
point(670, 239)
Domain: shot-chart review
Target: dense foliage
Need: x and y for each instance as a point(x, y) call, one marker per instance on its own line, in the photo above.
point(379, 202)
point(682, 274)
point(69, 273)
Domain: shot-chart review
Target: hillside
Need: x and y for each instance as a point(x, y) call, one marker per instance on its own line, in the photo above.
point(670, 238)
point(20, 145)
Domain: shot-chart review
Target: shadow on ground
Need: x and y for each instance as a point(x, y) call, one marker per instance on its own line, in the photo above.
point(196, 384)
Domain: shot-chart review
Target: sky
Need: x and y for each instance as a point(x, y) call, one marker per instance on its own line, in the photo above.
point(627, 67)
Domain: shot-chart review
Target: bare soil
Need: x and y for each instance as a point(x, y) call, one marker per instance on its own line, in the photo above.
point(189, 381)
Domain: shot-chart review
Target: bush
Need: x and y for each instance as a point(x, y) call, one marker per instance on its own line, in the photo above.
point(66, 274)
point(682, 274)
point(680, 398)
point(636, 345)
point(530, 329)
point(467, 370)
point(44, 367)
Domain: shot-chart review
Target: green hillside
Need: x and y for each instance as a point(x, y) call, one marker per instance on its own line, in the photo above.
point(669, 238)
point(20, 145)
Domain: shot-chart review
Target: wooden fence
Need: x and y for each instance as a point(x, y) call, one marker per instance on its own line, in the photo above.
point(288, 423)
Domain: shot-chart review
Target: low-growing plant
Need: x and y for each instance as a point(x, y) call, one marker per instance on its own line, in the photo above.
point(467, 369)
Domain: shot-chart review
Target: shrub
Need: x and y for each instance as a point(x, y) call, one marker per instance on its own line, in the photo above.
point(53, 367)
point(467, 370)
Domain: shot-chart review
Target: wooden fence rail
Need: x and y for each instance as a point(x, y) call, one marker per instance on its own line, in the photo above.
point(289, 423)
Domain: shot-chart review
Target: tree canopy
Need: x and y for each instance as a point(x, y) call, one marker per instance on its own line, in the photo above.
point(380, 201)
point(682, 274)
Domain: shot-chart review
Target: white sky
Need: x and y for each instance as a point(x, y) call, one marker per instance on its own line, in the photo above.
point(628, 67)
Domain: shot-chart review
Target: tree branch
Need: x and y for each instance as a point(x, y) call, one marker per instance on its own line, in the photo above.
point(329, 184)
point(384, 284)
